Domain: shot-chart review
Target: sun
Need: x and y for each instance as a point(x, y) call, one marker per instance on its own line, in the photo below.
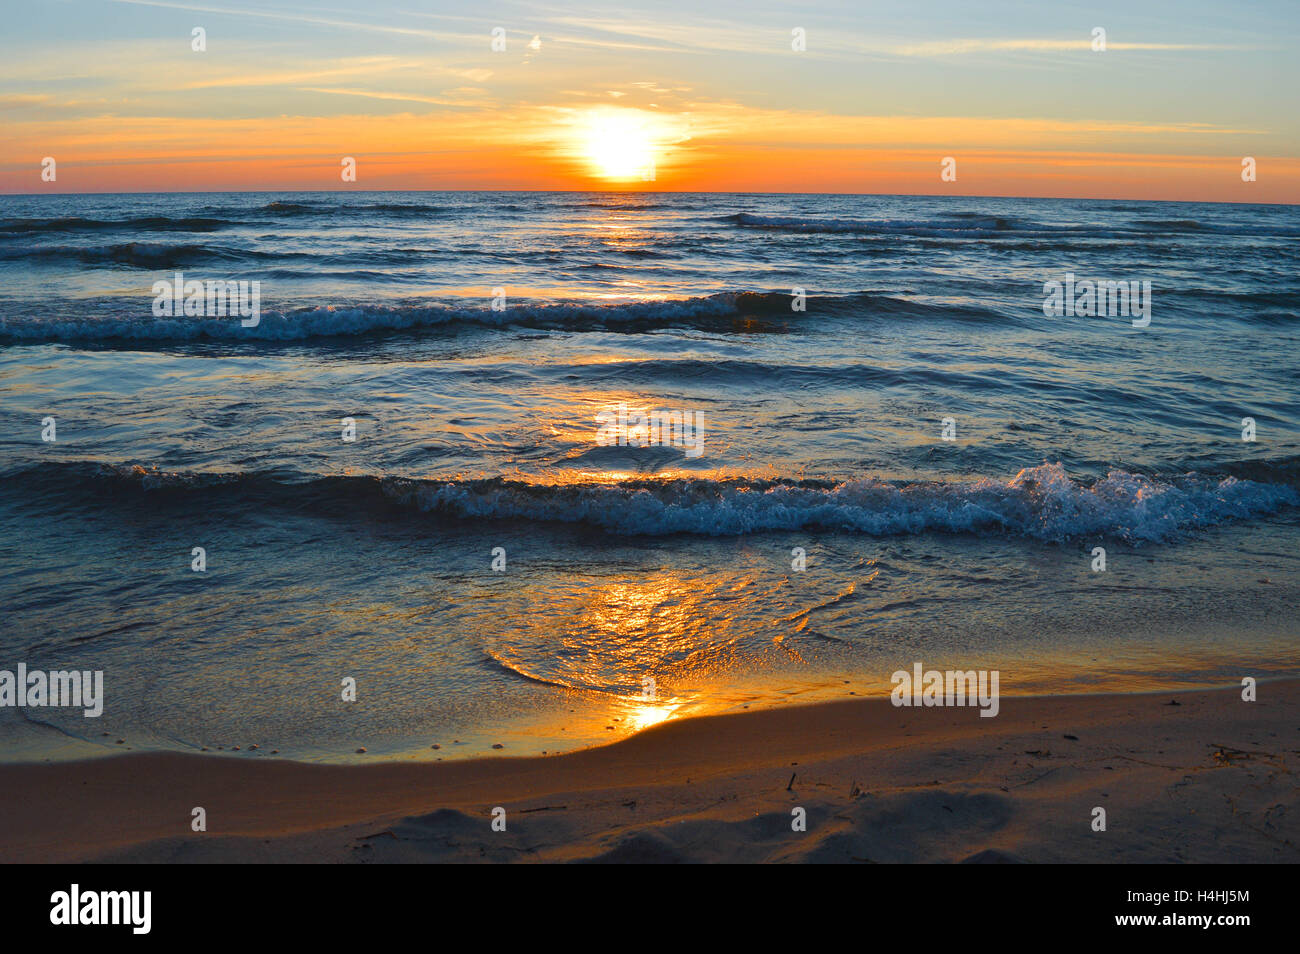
point(619, 145)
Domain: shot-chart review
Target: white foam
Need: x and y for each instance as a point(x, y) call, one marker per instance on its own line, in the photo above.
point(1040, 502)
point(354, 320)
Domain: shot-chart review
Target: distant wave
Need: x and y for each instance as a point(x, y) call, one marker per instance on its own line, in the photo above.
point(161, 255)
point(1169, 225)
point(723, 309)
point(1041, 503)
point(979, 225)
point(291, 209)
point(153, 223)
point(959, 224)
point(145, 255)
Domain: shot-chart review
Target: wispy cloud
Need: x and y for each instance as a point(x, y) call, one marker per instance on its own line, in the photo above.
point(363, 66)
point(957, 47)
point(398, 97)
point(301, 18)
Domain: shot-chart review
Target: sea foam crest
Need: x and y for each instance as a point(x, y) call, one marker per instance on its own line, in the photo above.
point(1041, 502)
point(341, 320)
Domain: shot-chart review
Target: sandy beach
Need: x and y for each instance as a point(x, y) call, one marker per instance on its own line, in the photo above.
point(1188, 777)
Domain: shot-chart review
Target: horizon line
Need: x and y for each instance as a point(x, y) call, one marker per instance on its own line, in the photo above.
point(892, 195)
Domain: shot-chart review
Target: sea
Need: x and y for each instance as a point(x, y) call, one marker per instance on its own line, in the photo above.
point(495, 474)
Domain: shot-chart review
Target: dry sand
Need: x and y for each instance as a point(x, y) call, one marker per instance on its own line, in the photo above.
point(1207, 780)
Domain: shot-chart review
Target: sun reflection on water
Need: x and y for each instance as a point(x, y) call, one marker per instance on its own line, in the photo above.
point(641, 715)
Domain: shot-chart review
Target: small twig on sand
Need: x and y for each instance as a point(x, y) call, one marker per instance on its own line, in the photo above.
point(1037, 778)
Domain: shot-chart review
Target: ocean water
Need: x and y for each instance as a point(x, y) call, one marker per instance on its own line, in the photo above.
point(474, 339)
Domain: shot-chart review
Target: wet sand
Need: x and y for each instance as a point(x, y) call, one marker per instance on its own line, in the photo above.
point(1206, 780)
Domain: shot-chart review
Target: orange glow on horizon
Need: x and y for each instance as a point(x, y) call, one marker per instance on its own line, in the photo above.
point(727, 149)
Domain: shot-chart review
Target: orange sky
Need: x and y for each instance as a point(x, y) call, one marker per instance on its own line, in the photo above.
point(278, 97)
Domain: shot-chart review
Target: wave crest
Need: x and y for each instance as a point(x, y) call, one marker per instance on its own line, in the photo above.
point(1040, 502)
point(771, 309)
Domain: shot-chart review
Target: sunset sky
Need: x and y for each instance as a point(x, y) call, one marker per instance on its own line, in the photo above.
point(709, 96)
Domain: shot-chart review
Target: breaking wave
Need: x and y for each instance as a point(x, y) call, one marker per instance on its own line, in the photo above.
point(345, 320)
point(1042, 503)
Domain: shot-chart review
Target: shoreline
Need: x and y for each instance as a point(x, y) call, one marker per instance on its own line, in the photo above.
point(524, 743)
point(1203, 780)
